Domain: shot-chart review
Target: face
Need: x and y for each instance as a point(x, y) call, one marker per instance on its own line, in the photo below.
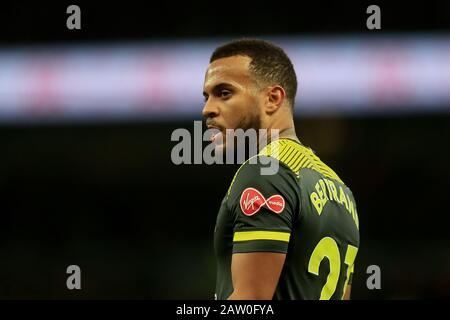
point(232, 98)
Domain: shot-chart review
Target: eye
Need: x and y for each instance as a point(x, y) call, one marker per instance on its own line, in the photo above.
point(224, 93)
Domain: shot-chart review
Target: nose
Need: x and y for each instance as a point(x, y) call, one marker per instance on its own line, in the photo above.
point(210, 110)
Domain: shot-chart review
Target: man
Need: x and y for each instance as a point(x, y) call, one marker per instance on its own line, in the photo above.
point(290, 235)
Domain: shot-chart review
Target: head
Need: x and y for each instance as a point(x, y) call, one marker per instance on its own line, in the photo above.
point(249, 84)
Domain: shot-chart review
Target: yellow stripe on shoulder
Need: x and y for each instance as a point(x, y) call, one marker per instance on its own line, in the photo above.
point(236, 174)
point(296, 156)
point(261, 235)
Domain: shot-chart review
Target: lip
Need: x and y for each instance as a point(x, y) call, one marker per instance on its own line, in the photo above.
point(213, 127)
point(215, 134)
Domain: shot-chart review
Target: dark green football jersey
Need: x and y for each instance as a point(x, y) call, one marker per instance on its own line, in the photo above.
point(304, 211)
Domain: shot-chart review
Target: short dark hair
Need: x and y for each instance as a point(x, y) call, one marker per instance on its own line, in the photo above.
point(269, 62)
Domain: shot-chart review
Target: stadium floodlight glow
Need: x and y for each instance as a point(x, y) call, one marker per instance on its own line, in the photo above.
point(339, 75)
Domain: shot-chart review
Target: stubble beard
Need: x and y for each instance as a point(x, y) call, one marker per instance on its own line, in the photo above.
point(251, 121)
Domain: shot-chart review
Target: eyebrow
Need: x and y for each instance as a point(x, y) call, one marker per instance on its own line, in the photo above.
point(218, 87)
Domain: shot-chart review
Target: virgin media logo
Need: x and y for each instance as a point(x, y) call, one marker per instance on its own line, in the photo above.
point(252, 200)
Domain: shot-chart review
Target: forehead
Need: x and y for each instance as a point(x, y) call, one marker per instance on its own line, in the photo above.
point(233, 70)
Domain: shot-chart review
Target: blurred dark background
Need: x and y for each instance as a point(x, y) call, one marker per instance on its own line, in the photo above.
point(106, 196)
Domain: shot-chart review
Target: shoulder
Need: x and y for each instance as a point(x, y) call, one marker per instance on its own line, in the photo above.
point(266, 174)
point(262, 172)
point(278, 161)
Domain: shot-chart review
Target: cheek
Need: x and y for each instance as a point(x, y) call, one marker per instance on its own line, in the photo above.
point(239, 110)
point(233, 111)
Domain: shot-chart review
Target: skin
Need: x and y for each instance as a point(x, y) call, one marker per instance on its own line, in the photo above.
point(234, 98)
point(348, 292)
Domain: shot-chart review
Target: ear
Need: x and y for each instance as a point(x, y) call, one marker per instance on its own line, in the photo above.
point(274, 98)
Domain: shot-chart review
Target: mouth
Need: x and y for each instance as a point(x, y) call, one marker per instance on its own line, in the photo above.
point(217, 134)
point(212, 127)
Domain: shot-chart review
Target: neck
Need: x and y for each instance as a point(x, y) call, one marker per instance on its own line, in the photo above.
point(286, 132)
point(283, 123)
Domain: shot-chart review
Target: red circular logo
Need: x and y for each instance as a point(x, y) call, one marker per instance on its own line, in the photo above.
point(252, 200)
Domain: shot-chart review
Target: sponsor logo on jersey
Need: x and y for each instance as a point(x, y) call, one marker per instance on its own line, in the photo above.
point(252, 200)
